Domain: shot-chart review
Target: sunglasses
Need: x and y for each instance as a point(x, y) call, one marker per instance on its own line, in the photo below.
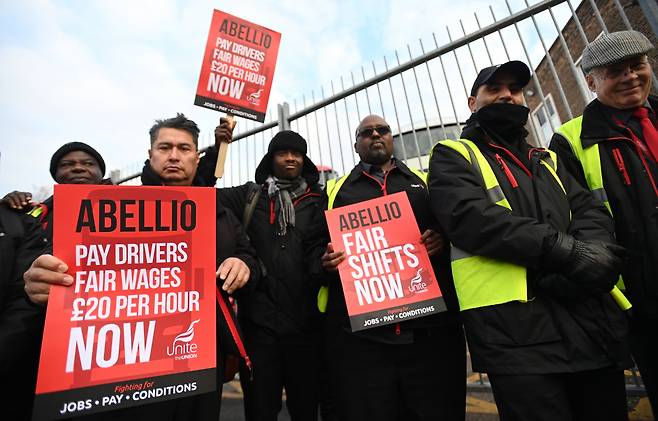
point(382, 130)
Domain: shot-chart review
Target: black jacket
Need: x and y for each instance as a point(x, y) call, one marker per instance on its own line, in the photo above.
point(549, 334)
point(359, 187)
point(633, 200)
point(283, 307)
point(21, 323)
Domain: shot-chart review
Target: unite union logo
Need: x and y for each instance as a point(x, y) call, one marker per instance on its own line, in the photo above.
point(417, 284)
point(182, 347)
point(254, 97)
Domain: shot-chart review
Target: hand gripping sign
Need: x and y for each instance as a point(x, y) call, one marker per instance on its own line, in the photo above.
point(387, 276)
point(138, 324)
point(238, 67)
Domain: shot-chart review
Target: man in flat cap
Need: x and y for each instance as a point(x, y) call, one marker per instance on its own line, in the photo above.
point(533, 263)
point(612, 149)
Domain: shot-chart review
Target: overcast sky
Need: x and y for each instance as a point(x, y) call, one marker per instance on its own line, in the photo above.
point(102, 71)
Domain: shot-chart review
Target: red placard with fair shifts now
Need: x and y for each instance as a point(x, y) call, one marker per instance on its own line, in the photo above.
point(238, 67)
point(387, 276)
point(137, 325)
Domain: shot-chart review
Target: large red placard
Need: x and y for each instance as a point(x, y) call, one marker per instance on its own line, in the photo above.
point(387, 276)
point(138, 324)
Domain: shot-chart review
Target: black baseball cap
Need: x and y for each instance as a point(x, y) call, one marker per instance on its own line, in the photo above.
point(517, 68)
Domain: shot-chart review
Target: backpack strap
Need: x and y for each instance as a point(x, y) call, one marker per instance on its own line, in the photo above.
point(253, 193)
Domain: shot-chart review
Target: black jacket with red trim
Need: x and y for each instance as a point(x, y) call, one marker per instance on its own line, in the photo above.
point(551, 333)
point(630, 179)
point(359, 187)
point(283, 307)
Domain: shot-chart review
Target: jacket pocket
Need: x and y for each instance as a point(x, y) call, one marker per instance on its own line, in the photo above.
point(516, 324)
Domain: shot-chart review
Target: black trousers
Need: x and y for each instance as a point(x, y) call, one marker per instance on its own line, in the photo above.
point(644, 345)
point(425, 380)
point(597, 395)
point(278, 366)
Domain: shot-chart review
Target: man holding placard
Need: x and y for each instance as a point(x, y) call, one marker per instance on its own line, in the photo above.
point(173, 160)
point(387, 366)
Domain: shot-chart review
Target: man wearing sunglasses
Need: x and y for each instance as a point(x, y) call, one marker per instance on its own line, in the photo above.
point(533, 262)
point(409, 370)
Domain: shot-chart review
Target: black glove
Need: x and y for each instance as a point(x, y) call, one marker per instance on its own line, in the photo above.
point(592, 265)
point(559, 286)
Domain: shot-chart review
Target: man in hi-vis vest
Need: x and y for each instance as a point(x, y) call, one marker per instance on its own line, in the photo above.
point(612, 149)
point(533, 261)
point(411, 370)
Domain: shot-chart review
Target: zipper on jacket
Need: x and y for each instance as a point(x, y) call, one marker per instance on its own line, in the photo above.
point(382, 186)
point(507, 171)
point(647, 170)
point(619, 160)
point(636, 142)
point(513, 158)
point(397, 328)
point(272, 213)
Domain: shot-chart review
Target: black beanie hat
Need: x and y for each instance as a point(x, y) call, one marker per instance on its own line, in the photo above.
point(287, 139)
point(284, 140)
point(75, 146)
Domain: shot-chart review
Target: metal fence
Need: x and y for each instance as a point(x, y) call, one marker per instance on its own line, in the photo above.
point(422, 91)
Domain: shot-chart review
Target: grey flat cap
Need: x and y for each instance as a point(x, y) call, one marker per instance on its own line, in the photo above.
point(613, 48)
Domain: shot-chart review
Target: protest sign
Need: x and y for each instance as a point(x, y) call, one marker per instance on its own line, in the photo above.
point(238, 67)
point(387, 276)
point(137, 325)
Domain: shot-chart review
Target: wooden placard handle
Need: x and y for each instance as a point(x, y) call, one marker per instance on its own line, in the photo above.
point(223, 147)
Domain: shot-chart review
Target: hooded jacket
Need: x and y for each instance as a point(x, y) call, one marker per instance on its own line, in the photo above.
point(629, 183)
point(550, 333)
point(283, 306)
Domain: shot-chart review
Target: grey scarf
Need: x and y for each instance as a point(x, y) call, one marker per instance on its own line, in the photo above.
point(285, 191)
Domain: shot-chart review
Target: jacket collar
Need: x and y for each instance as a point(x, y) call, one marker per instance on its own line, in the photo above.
point(598, 124)
point(358, 170)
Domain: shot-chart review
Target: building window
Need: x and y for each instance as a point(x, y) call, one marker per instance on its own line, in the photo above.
point(542, 114)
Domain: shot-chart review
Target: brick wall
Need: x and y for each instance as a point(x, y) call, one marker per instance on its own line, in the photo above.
point(576, 45)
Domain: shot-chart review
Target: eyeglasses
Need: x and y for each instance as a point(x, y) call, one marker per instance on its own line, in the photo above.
point(616, 70)
point(381, 130)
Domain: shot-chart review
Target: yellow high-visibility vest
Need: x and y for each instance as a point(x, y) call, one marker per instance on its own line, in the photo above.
point(590, 161)
point(482, 281)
